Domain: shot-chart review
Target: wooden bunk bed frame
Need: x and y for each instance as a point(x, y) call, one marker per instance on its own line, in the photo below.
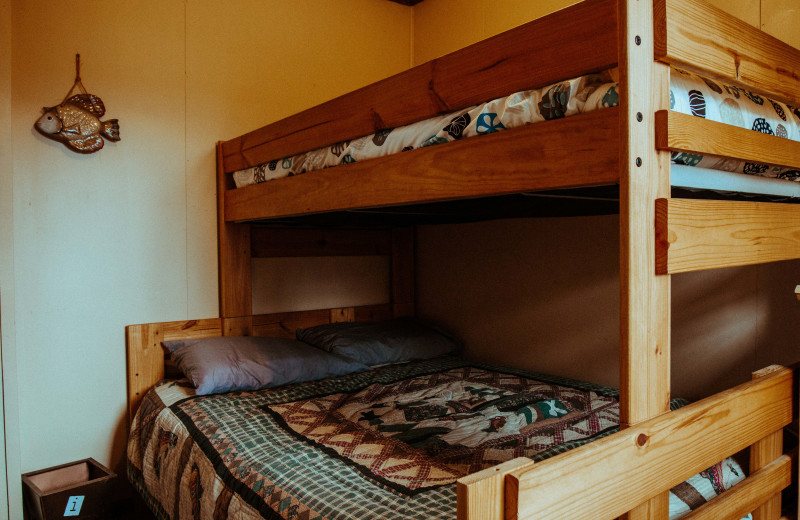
point(628, 145)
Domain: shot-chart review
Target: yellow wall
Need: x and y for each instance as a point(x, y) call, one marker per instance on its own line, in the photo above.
point(271, 60)
point(128, 235)
point(528, 286)
point(780, 18)
point(437, 31)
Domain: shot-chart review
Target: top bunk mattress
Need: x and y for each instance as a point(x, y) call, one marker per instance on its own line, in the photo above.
point(689, 94)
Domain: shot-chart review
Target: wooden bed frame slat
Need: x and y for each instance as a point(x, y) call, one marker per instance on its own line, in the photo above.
point(706, 234)
point(463, 78)
point(659, 453)
point(748, 495)
point(684, 133)
point(522, 159)
point(762, 453)
point(694, 35)
point(285, 324)
point(234, 258)
point(270, 242)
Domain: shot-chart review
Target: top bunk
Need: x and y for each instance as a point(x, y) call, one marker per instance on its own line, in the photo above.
point(581, 151)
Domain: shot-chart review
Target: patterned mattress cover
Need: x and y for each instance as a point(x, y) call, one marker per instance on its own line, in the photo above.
point(689, 94)
point(385, 444)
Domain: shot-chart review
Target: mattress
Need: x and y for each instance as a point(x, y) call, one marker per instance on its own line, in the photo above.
point(385, 444)
point(689, 94)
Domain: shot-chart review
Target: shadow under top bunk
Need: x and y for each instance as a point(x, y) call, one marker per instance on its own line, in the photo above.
point(573, 202)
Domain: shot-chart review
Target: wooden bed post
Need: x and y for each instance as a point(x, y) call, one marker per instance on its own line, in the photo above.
point(644, 177)
point(761, 454)
point(233, 249)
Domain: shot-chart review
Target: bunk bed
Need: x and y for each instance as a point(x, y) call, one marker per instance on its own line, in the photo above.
point(628, 147)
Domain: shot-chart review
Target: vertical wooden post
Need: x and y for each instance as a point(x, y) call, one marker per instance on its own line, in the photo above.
point(233, 248)
point(145, 353)
point(403, 260)
point(762, 453)
point(644, 177)
point(481, 495)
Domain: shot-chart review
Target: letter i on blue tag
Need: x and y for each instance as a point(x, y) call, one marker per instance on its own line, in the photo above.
point(74, 506)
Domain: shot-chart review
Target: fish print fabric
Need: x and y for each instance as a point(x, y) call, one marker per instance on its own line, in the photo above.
point(699, 489)
point(387, 444)
point(689, 94)
point(700, 97)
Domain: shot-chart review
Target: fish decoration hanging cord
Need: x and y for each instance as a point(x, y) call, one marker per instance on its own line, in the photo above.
point(76, 121)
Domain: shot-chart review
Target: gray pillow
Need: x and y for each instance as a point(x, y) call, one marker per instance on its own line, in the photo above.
point(381, 342)
point(242, 363)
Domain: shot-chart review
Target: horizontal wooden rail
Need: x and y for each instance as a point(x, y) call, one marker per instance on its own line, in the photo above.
point(692, 235)
point(695, 35)
point(285, 324)
point(546, 50)
point(269, 242)
point(746, 496)
point(684, 133)
point(512, 161)
point(604, 479)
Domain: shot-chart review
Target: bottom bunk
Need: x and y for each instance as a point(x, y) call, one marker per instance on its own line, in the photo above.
point(421, 439)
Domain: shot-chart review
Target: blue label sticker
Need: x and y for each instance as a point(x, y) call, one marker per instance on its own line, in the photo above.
point(74, 506)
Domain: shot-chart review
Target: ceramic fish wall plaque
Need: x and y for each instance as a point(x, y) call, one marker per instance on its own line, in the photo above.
point(76, 122)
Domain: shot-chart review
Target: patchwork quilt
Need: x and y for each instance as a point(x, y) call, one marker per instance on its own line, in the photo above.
point(385, 444)
point(389, 443)
point(689, 94)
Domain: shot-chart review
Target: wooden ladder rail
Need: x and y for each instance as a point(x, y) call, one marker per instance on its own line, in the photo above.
point(594, 480)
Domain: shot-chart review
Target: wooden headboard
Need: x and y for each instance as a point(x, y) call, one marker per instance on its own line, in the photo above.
point(145, 357)
point(146, 360)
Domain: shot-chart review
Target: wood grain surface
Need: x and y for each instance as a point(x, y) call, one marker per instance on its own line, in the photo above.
point(684, 133)
point(601, 480)
point(577, 151)
point(706, 234)
point(697, 36)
